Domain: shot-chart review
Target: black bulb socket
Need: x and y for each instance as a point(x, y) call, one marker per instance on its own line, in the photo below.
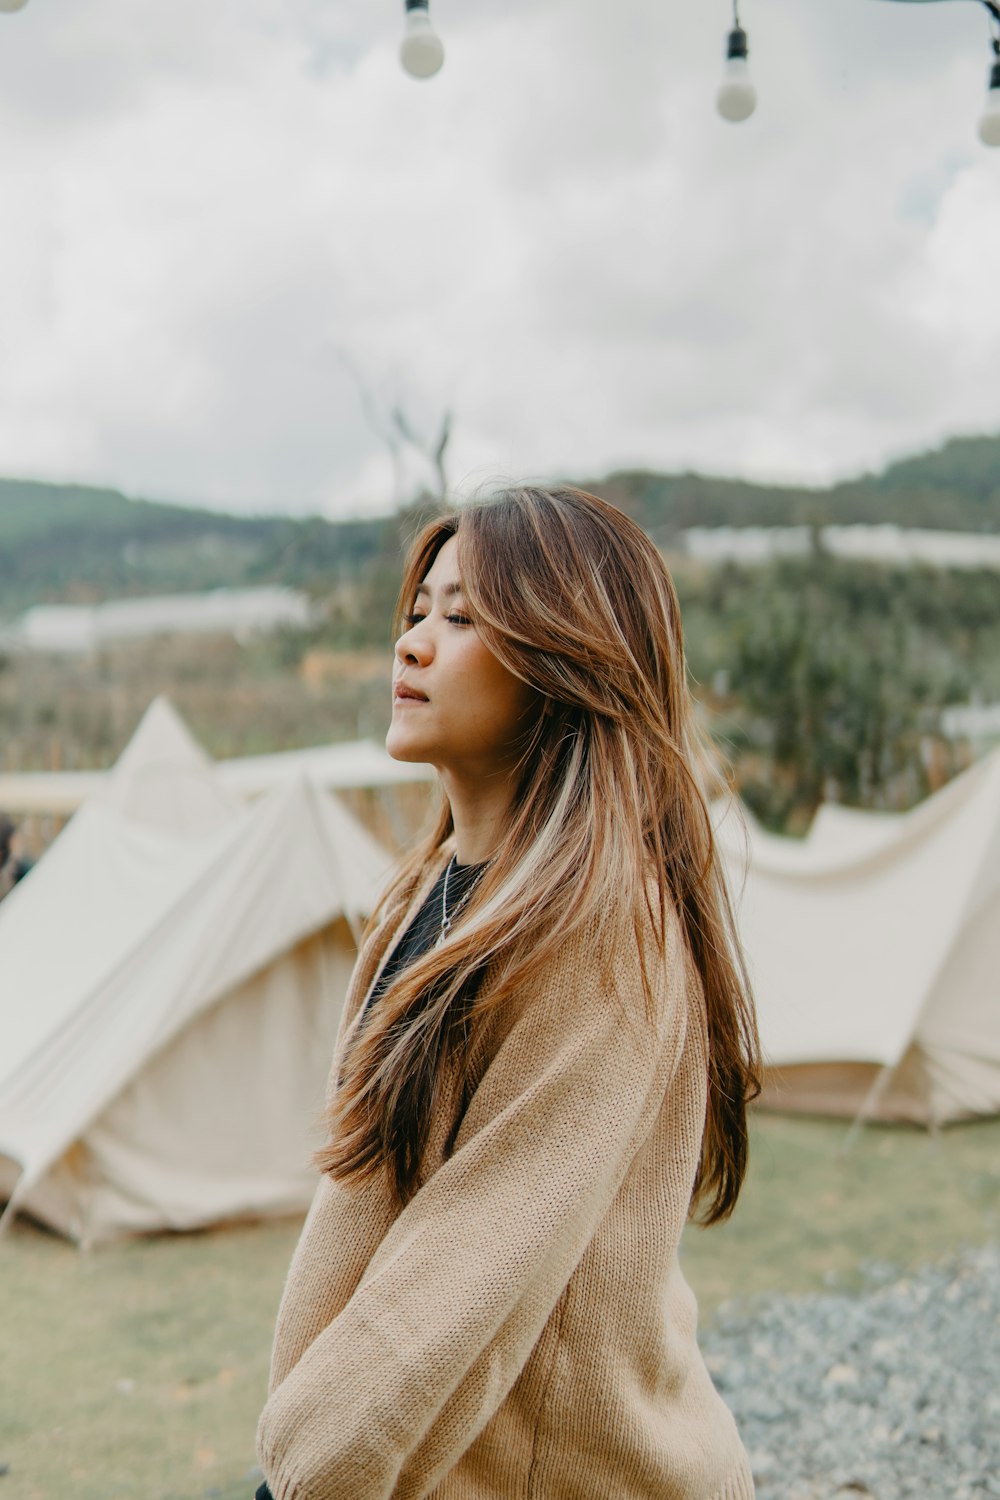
point(995, 76)
point(736, 45)
point(417, 5)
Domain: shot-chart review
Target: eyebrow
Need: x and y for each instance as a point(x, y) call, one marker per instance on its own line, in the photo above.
point(447, 590)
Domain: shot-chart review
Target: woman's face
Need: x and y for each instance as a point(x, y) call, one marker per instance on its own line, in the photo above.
point(454, 705)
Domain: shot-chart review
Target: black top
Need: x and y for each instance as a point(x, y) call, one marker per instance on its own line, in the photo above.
point(425, 929)
point(421, 935)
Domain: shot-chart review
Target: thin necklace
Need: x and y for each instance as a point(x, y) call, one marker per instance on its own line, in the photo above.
point(447, 917)
point(446, 920)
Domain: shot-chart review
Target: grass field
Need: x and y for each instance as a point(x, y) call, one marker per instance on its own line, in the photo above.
point(136, 1372)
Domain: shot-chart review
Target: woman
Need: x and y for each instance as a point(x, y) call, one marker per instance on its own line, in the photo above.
point(545, 1057)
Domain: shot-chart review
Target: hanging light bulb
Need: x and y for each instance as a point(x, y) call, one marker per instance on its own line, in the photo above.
point(420, 52)
point(989, 120)
point(737, 97)
point(12, 5)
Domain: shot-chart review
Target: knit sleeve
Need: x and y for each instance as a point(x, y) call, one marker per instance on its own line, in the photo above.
point(399, 1384)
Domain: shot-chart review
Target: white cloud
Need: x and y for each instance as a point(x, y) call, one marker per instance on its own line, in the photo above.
point(207, 208)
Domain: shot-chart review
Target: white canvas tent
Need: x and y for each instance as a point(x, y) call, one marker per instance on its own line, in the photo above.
point(874, 947)
point(172, 975)
point(342, 767)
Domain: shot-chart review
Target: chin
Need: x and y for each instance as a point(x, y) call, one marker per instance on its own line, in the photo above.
point(396, 745)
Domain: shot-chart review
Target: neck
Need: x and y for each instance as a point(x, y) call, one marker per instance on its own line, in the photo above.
point(478, 812)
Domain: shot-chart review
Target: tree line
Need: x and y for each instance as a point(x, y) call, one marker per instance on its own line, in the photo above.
point(71, 543)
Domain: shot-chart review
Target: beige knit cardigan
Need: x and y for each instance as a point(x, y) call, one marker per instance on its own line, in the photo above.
point(521, 1330)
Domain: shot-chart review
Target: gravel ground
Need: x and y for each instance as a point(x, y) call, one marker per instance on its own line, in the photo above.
point(891, 1392)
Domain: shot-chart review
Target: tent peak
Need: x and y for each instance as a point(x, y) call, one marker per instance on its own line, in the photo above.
point(164, 779)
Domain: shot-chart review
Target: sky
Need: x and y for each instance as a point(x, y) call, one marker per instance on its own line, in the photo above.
point(237, 237)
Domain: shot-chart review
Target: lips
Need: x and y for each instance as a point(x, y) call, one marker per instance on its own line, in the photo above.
point(403, 692)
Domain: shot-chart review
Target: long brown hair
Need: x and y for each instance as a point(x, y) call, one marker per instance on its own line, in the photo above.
point(575, 600)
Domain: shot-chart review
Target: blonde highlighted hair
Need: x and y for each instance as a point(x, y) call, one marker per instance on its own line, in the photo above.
point(574, 599)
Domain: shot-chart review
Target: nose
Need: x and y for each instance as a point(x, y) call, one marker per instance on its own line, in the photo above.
point(414, 647)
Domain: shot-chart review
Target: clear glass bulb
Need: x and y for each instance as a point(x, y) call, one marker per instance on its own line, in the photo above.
point(12, 5)
point(421, 51)
point(989, 120)
point(737, 97)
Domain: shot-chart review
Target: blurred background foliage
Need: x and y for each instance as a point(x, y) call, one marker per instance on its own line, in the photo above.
point(827, 677)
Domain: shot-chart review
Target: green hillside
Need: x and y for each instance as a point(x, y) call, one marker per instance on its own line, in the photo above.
point(665, 504)
point(954, 488)
point(74, 543)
